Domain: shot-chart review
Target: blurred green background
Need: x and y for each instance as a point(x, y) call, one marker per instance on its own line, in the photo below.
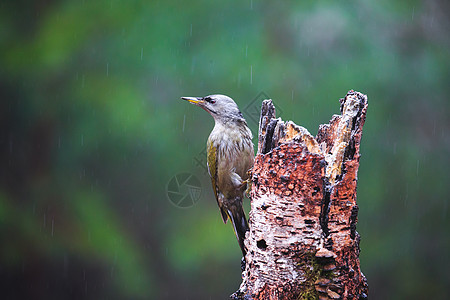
point(98, 150)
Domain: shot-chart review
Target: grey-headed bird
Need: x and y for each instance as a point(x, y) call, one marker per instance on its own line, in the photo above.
point(230, 157)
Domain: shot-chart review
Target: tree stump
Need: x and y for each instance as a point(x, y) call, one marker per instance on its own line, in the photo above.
point(302, 242)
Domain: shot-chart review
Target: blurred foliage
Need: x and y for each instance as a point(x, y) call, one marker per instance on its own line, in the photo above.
point(92, 129)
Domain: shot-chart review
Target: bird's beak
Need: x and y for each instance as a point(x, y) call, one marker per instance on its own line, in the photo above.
point(194, 100)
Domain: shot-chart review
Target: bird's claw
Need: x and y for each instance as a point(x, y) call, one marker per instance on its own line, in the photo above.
point(247, 187)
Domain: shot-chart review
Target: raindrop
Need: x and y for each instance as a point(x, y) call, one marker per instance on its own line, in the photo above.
point(412, 15)
point(417, 168)
point(53, 223)
point(142, 52)
point(193, 65)
point(246, 50)
point(184, 122)
point(82, 140)
point(251, 74)
point(190, 33)
point(251, 4)
point(107, 69)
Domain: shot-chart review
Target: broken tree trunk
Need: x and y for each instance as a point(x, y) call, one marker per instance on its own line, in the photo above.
point(302, 242)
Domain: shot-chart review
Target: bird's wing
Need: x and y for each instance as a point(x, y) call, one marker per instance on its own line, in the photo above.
point(212, 170)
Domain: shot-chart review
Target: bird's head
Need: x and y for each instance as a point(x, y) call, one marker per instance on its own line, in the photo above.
point(221, 107)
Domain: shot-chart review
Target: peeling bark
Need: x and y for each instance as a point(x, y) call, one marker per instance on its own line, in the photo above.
point(302, 242)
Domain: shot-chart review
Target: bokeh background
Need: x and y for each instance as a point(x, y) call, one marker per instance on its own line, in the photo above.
point(103, 192)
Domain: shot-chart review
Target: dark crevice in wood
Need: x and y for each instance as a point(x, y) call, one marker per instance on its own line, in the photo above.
point(261, 244)
point(269, 142)
point(325, 208)
point(353, 221)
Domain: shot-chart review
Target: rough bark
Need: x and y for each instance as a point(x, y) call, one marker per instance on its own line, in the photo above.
point(302, 242)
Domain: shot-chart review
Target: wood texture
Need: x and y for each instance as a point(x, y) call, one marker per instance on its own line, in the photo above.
point(302, 242)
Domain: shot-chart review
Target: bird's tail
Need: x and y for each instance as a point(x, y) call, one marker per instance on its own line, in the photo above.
point(240, 225)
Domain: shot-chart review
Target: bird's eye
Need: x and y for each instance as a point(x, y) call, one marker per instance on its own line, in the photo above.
point(210, 100)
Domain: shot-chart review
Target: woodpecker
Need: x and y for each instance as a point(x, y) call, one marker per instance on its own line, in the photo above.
point(230, 157)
